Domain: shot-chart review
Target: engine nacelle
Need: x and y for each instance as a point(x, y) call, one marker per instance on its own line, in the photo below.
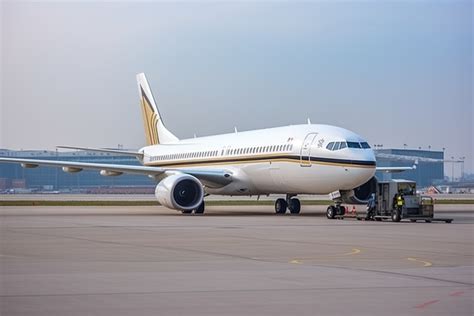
point(180, 192)
point(361, 194)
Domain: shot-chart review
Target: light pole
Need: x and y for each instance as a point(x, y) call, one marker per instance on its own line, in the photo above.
point(452, 168)
point(462, 167)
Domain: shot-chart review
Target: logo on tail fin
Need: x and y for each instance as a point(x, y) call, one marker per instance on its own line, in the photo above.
point(150, 120)
point(155, 130)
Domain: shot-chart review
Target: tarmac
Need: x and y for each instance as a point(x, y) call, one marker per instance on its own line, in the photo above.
point(234, 260)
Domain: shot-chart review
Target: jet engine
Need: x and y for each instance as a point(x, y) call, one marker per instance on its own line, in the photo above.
point(361, 194)
point(180, 192)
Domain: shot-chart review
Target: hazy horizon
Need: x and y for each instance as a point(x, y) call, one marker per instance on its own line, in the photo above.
point(394, 72)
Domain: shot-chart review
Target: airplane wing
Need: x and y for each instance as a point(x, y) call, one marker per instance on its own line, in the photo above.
point(210, 177)
point(136, 154)
point(395, 169)
point(407, 158)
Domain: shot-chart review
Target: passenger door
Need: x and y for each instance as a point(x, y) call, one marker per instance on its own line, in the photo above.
point(305, 154)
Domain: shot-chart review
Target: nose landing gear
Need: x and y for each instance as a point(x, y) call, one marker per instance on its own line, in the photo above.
point(335, 210)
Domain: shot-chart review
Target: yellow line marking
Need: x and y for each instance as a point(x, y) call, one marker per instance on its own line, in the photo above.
point(425, 263)
point(300, 260)
point(353, 252)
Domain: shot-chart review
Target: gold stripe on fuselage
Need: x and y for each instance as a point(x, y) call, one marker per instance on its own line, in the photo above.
point(242, 160)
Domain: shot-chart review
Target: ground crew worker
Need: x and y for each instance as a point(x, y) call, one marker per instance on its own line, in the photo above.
point(370, 208)
point(400, 202)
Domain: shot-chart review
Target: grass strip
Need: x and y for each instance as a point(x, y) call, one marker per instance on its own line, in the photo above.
point(153, 203)
point(138, 203)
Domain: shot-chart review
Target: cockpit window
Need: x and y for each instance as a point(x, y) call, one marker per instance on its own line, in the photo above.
point(353, 145)
point(341, 145)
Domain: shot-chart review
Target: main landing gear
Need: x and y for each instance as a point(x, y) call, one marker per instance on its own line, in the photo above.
point(199, 210)
point(293, 204)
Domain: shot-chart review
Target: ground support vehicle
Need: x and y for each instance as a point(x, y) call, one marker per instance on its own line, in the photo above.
point(416, 207)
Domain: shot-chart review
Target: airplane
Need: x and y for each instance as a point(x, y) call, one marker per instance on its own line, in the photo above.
point(289, 160)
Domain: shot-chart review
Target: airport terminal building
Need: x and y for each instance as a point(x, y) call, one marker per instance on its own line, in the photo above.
point(13, 176)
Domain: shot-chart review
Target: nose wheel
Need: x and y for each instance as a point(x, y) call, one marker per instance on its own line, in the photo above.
point(335, 210)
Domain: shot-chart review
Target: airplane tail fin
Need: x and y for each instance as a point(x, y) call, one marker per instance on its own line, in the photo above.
point(155, 130)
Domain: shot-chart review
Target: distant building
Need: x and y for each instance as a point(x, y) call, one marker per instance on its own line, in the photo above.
point(12, 175)
point(426, 173)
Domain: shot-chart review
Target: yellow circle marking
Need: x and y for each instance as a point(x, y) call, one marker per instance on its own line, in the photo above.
point(353, 252)
point(300, 260)
point(425, 263)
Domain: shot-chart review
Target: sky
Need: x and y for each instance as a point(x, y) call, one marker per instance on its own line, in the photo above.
point(395, 72)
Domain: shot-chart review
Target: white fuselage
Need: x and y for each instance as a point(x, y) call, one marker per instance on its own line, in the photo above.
point(286, 160)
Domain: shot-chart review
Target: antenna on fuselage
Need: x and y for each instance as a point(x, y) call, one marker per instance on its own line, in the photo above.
point(235, 129)
point(309, 121)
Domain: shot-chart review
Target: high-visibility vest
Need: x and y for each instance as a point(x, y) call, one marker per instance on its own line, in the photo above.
point(399, 201)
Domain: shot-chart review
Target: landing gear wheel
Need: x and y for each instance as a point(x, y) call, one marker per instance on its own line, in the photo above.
point(396, 217)
point(280, 206)
point(331, 212)
point(294, 206)
point(200, 208)
point(186, 211)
